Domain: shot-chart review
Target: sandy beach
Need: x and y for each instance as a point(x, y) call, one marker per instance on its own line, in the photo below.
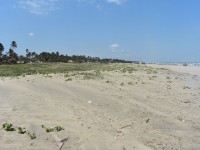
point(146, 109)
point(192, 70)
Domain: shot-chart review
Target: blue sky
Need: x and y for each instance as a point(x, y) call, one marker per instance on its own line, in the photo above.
point(148, 30)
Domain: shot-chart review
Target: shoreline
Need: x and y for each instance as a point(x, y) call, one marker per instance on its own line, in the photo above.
point(192, 70)
point(192, 73)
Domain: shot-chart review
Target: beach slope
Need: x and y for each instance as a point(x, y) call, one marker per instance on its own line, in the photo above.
point(121, 108)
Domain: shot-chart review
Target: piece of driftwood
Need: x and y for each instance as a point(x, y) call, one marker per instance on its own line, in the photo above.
point(63, 142)
point(125, 126)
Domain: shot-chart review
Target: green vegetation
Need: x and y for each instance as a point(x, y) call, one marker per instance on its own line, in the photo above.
point(48, 63)
point(70, 71)
point(11, 57)
point(49, 129)
point(46, 68)
point(21, 130)
point(128, 69)
point(94, 70)
point(151, 71)
point(8, 127)
point(58, 128)
point(92, 75)
point(31, 135)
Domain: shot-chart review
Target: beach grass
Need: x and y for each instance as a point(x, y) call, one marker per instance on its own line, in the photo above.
point(46, 68)
point(53, 68)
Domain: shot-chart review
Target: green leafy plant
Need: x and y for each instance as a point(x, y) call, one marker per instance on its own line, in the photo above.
point(58, 128)
point(8, 127)
point(49, 129)
point(21, 130)
point(31, 135)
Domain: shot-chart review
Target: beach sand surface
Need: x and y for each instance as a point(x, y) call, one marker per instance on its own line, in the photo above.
point(147, 109)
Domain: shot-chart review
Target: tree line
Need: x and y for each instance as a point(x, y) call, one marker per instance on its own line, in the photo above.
point(11, 57)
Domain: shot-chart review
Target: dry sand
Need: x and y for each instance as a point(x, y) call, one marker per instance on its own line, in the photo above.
point(141, 110)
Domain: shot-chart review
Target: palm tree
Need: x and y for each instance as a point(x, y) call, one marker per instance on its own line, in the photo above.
point(13, 45)
point(33, 54)
point(1, 49)
point(10, 53)
point(12, 56)
point(28, 55)
point(27, 51)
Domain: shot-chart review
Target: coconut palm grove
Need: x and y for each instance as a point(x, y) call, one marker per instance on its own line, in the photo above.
point(11, 57)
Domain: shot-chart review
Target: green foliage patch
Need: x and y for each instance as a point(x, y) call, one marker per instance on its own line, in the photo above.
point(50, 129)
point(31, 135)
point(46, 68)
point(21, 130)
point(8, 127)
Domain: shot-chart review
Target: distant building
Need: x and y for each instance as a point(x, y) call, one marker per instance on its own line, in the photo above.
point(142, 62)
point(70, 61)
point(185, 64)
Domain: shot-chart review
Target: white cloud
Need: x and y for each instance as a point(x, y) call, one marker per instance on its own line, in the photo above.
point(114, 46)
point(117, 2)
point(31, 34)
point(39, 6)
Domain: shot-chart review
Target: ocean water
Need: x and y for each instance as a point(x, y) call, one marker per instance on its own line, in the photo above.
point(180, 63)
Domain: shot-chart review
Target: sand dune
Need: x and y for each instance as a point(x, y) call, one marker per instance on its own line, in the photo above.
point(123, 111)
